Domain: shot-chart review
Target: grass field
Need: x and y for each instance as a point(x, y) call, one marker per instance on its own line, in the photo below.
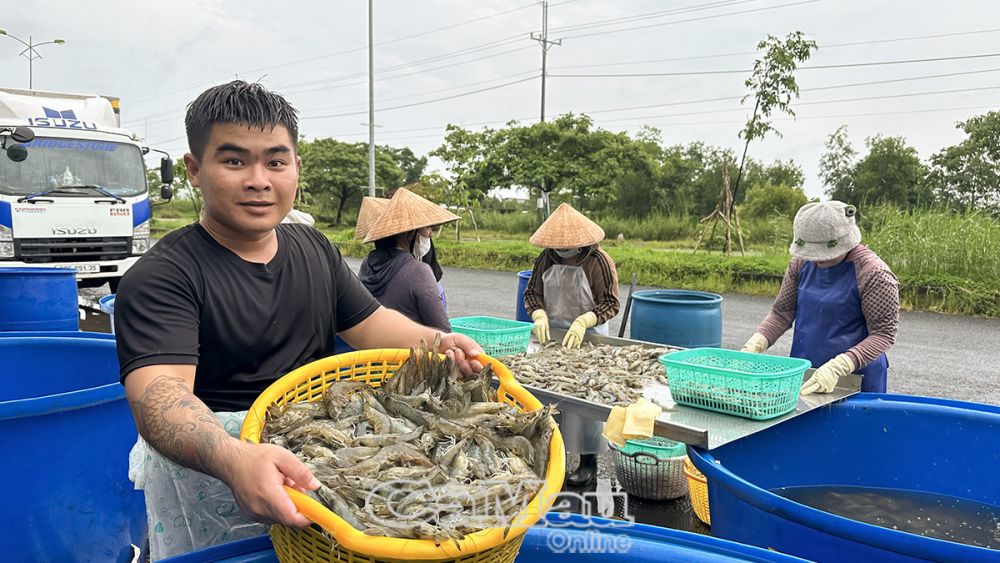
point(945, 262)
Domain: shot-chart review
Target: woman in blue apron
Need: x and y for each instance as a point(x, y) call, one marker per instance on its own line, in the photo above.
point(573, 286)
point(841, 297)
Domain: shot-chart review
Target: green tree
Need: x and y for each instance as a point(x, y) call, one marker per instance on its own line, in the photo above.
point(411, 166)
point(334, 173)
point(836, 166)
point(891, 172)
point(967, 175)
point(773, 200)
point(772, 85)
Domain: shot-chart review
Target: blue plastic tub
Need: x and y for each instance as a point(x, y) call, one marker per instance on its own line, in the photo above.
point(521, 314)
point(677, 317)
point(65, 433)
point(38, 299)
point(871, 440)
point(107, 304)
point(565, 538)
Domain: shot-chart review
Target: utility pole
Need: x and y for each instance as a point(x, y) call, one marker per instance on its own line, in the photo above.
point(371, 102)
point(543, 40)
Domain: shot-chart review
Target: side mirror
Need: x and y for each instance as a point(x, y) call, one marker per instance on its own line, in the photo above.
point(22, 135)
point(166, 193)
point(166, 171)
point(17, 153)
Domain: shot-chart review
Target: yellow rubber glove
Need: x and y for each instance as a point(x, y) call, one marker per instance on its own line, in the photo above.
point(574, 336)
point(826, 377)
point(757, 344)
point(541, 329)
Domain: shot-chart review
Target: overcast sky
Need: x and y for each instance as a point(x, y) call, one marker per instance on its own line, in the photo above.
point(158, 57)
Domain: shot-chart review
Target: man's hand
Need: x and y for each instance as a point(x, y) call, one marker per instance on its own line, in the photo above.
point(257, 472)
point(463, 350)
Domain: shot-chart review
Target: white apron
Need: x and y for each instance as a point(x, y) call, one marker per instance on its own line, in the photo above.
point(187, 510)
point(567, 295)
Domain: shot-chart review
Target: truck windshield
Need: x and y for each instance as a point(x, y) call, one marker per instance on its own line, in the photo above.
point(53, 163)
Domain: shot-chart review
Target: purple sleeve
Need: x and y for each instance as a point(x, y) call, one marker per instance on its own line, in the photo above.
point(424, 290)
point(782, 314)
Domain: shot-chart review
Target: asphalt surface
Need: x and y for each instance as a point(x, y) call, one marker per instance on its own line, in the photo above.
point(935, 355)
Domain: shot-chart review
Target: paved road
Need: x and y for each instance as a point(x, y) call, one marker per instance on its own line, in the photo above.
point(935, 355)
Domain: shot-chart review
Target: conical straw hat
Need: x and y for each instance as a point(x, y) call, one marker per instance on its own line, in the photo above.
point(371, 209)
point(407, 212)
point(567, 228)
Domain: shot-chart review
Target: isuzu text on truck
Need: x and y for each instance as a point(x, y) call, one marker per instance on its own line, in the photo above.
point(73, 189)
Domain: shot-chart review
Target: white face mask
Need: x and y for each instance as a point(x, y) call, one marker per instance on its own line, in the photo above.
point(421, 246)
point(569, 253)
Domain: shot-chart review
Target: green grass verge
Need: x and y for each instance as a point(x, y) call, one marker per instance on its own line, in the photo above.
point(671, 263)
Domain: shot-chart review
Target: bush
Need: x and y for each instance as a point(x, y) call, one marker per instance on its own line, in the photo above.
point(770, 200)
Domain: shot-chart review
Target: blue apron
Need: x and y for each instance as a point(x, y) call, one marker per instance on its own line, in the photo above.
point(829, 320)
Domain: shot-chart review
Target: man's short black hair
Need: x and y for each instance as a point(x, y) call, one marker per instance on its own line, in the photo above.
point(237, 102)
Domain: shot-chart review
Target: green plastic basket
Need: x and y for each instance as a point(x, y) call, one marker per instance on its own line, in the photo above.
point(754, 386)
point(660, 448)
point(498, 337)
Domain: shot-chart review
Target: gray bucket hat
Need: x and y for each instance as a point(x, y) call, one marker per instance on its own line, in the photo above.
point(824, 231)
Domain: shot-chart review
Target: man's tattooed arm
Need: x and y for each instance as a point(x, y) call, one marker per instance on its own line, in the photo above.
point(174, 421)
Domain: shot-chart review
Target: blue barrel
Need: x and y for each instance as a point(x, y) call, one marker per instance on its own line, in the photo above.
point(563, 538)
point(107, 304)
point(871, 440)
point(522, 284)
point(66, 431)
point(687, 319)
point(38, 299)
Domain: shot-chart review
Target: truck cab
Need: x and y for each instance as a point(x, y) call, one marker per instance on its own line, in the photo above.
point(73, 191)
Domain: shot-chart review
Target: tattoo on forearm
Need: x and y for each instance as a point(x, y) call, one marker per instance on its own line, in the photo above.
point(177, 424)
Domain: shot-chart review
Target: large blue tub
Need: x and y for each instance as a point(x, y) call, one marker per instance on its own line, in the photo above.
point(38, 299)
point(565, 538)
point(871, 440)
point(688, 319)
point(65, 434)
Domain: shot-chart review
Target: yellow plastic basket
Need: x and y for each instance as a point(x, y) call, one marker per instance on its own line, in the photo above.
point(698, 487)
point(354, 546)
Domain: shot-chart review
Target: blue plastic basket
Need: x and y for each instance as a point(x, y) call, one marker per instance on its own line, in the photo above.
point(498, 337)
point(754, 386)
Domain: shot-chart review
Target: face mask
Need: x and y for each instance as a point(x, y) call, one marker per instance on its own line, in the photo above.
point(421, 246)
point(569, 253)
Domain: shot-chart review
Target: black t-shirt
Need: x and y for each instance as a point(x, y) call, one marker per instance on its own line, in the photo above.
point(190, 300)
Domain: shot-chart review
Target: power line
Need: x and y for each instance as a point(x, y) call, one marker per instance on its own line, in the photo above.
point(692, 19)
point(650, 15)
point(813, 67)
point(348, 51)
point(823, 47)
point(173, 114)
point(497, 87)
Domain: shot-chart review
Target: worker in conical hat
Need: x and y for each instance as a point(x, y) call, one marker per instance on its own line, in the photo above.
point(394, 272)
point(371, 209)
point(574, 286)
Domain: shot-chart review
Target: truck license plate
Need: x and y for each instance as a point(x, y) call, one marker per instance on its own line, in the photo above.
point(87, 268)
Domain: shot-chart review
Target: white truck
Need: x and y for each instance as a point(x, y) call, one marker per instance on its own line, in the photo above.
point(73, 190)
